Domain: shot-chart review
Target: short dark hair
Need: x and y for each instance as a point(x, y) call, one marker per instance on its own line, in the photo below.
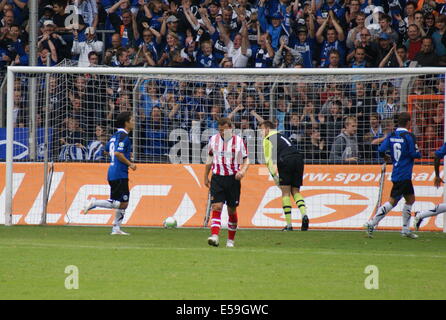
point(224, 121)
point(120, 51)
point(386, 17)
point(92, 53)
point(403, 119)
point(268, 124)
point(122, 118)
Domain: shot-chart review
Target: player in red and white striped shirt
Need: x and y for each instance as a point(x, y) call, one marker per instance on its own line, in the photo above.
point(228, 159)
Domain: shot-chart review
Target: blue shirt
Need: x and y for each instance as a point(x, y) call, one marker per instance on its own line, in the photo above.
point(403, 150)
point(326, 47)
point(119, 142)
point(306, 50)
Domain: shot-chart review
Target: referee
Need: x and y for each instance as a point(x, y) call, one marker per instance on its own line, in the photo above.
point(286, 166)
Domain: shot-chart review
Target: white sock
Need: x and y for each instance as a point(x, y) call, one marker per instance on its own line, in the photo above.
point(382, 211)
point(119, 216)
point(109, 204)
point(441, 208)
point(407, 208)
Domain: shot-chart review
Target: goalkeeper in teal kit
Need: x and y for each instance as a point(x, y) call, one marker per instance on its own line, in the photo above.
point(402, 146)
point(119, 148)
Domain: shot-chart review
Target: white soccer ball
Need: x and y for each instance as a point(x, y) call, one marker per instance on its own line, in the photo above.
point(170, 222)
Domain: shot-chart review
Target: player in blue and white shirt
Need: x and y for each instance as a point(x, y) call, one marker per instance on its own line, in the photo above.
point(403, 151)
point(119, 148)
point(441, 208)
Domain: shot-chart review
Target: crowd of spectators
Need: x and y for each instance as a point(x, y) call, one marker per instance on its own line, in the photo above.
point(328, 121)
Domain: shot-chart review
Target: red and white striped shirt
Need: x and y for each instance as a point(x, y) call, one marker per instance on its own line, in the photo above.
point(228, 155)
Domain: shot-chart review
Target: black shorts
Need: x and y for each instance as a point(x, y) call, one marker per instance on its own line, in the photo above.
point(225, 189)
point(291, 171)
point(119, 190)
point(402, 188)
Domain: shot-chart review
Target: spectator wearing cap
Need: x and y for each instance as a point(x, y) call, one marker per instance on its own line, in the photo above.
point(305, 43)
point(384, 45)
point(170, 25)
point(238, 50)
point(413, 43)
point(49, 33)
point(334, 39)
point(276, 29)
point(84, 48)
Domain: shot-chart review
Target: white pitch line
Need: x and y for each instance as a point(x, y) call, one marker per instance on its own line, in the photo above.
point(11, 245)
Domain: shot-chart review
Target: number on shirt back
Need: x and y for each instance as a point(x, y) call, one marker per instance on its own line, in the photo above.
point(397, 152)
point(112, 150)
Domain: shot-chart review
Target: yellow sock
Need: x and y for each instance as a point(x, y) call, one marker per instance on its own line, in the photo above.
point(300, 203)
point(286, 204)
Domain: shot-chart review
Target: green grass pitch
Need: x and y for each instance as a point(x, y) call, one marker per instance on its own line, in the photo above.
point(178, 264)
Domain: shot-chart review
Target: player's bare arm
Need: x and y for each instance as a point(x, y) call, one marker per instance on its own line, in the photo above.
point(120, 156)
point(242, 172)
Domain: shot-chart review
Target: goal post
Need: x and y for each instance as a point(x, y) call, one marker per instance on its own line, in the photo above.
point(305, 103)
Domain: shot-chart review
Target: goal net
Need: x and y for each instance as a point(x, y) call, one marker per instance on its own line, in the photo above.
point(61, 119)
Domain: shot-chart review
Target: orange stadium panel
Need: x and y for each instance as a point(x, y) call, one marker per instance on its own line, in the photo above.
point(337, 197)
